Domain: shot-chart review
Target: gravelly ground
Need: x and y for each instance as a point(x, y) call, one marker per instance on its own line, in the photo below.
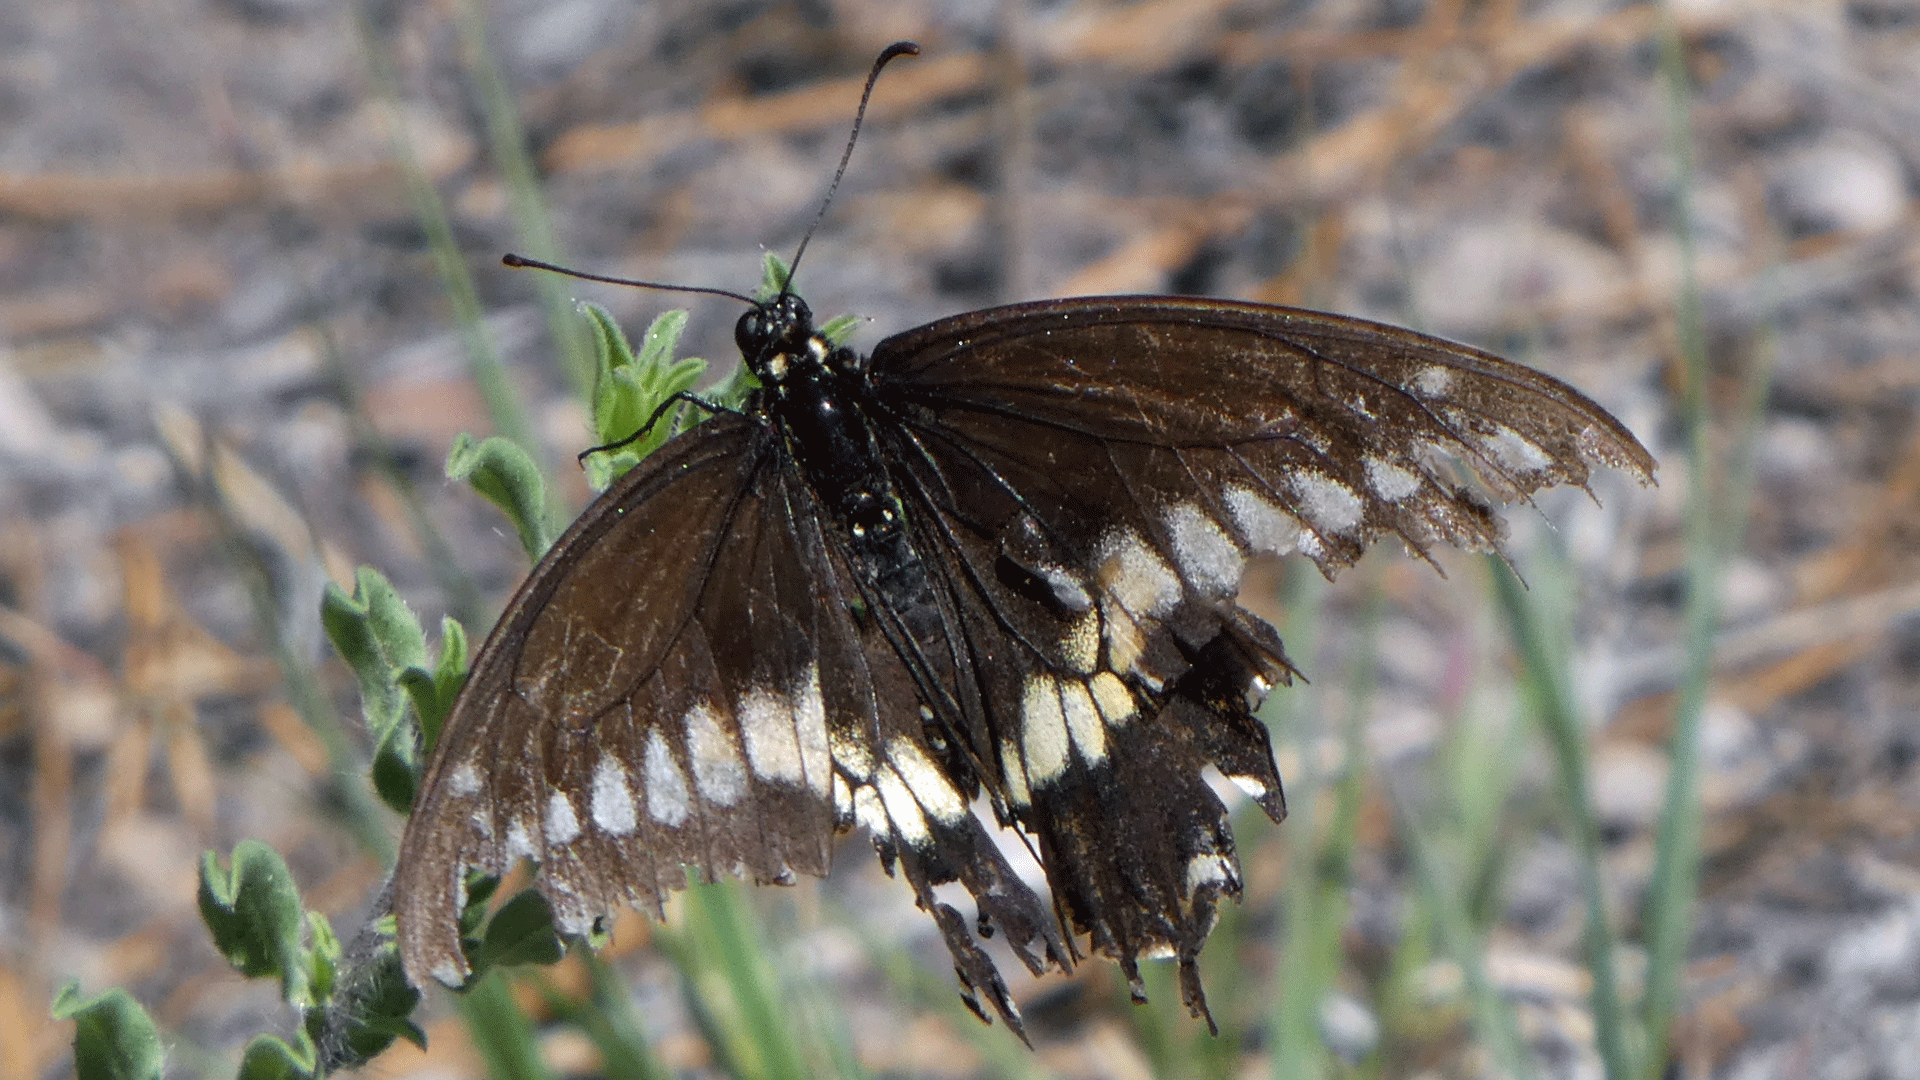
point(205, 243)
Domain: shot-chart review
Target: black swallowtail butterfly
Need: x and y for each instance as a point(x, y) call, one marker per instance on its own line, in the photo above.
point(997, 557)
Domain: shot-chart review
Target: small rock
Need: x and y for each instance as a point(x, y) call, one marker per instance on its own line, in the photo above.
point(1846, 183)
point(1348, 1028)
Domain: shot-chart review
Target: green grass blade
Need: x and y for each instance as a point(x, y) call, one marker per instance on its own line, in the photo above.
point(1545, 659)
point(1493, 1019)
point(501, 1032)
point(607, 1017)
point(507, 143)
point(503, 404)
point(1714, 531)
point(737, 996)
point(1312, 920)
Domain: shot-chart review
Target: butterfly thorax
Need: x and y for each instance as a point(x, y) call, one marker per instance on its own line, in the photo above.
point(816, 394)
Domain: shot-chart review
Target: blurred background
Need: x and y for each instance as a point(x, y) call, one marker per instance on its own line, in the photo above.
point(249, 293)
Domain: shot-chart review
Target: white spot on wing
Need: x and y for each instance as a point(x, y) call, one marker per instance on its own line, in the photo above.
point(464, 780)
point(717, 769)
point(1433, 381)
point(810, 727)
point(842, 798)
point(902, 810)
point(1390, 481)
point(1134, 575)
point(519, 840)
point(1083, 721)
point(1113, 698)
point(868, 812)
point(1015, 775)
point(561, 825)
point(928, 784)
point(1261, 522)
point(1330, 505)
point(1514, 451)
point(851, 754)
point(1208, 869)
point(1252, 785)
point(1043, 729)
point(1210, 561)
point(773, 746)
point(666, 785)
point(1080, 649)
point(611, 805)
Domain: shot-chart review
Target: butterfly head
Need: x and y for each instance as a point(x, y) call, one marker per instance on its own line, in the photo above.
point(776, 336)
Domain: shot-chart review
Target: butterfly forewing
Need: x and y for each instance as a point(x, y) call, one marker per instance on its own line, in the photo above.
point(600, 732)
point(1341, 421)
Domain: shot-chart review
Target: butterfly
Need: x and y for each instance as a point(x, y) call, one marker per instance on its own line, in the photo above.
point(984, 577)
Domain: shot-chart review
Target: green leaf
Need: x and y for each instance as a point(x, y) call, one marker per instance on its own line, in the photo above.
point(113, 1037)
point(269, 1058)
point(521, 932)
point(774, 278)
point(450, 674)
point(380, 638)
point(377, 634)
point(433, 693)
point(631, 391)
point(840, 328)
point(323, 954)
point(612, 354)
point(732, 391)
point(505, 476)
point(396, 765)
point(253, 913)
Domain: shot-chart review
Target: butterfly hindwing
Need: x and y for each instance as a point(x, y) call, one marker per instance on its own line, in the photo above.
point(898, 776)
point(1108, 684)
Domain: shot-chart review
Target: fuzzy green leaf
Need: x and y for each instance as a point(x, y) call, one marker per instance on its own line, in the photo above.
point(269, 1058)
point(774, 277)
point(396, 765)
point(632, 389)
point(505, 476)
point(521, 932)
point(840, 328)
point(323, 954)
point(113, 1037)
point(612, 354)
point(253, 912)
point(433, 694)
point(373, 1008)
point(377, 634)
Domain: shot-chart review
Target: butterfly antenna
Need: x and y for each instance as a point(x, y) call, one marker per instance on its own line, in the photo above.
point(897, 49)
point(510, 259)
